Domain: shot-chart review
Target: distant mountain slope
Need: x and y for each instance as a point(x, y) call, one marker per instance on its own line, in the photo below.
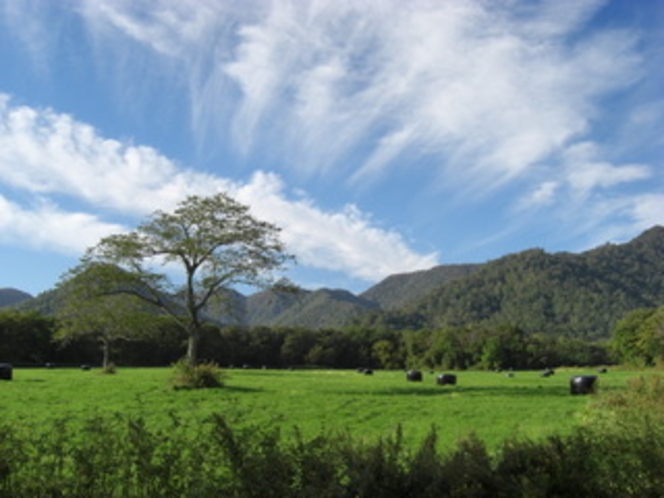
point(398, 290)
point(10, 296)
point(46, 303)
point(323, 308)
point(263, 308)
point(580, 295)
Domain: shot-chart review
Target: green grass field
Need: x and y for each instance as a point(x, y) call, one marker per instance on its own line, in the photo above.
point(488, 404)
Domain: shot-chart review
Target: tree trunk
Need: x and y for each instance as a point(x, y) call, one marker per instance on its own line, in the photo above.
point(105, 347)
point(192, 346)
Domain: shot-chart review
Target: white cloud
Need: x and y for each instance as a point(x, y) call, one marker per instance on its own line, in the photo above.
point(45, 155)
point(501, 85)
point(49, 153)
point(543, 195)
point(585, 172)
point(647, 210)
point(46, 227)
point(340, 241)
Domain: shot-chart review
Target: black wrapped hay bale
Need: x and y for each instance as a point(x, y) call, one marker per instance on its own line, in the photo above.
point(368, 371)
point(603, 370)
point(414, 376)
point(86, 367)
point(583, 384)
point(446, 380)
point(6, 371)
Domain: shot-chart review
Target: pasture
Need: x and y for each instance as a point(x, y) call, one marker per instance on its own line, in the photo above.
point(491, 405)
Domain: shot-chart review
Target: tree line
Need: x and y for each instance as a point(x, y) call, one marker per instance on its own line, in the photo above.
point(29, 338)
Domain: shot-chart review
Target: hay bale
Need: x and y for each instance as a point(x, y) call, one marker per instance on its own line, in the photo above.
point(446, 380)
point(583, 384)
point(414, 376)
point(368, 371)
point(6, 371)
point(603, 370)
point(86, 367)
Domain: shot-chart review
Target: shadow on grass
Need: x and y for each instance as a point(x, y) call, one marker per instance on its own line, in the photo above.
point(439, 391)
point(222, 389)
point(241, 389)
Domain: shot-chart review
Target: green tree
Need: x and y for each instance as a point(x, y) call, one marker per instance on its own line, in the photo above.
point(214, 241)
point(504, 347)
point(104, 318)
point(25, 336)
point(388, 354)
point(627, 341)
point(650, 339)
point(297, 343)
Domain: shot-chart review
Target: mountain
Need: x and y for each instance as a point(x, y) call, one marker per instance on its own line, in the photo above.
point(263, 308)
point(398, 290)
point(323, 308)
point(577, 295)
point(10, 296)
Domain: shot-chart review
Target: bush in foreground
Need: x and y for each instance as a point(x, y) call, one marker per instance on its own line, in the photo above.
point(204, 375)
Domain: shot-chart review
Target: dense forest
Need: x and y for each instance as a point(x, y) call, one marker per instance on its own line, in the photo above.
point(30, 339)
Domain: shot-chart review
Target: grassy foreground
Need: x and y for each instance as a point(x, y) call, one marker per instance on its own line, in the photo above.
point(490, 405)
point(80, 434)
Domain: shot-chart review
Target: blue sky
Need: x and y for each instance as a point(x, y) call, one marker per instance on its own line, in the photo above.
point(382, 136)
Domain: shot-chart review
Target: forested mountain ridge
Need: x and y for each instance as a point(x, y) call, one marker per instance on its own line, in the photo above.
point(323, 308)
point(396, 291)
point(576, 295)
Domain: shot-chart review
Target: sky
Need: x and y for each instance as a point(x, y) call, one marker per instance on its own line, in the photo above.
point(381, 136)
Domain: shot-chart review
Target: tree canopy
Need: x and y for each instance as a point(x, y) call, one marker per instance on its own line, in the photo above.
point(214, 242)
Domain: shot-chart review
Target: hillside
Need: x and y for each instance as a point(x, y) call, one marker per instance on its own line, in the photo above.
point(396, 291)
point(577, 295)
point(9, 296)
point(324, 308)
point(263, 308)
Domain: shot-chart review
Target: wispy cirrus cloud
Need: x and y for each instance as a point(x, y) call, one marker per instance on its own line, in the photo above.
point(496, 86)
point(57, 162)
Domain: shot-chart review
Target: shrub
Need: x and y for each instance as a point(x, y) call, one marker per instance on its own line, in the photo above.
point(110, 368)
point(204, 375)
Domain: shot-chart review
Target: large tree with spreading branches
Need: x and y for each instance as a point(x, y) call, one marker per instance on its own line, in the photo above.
point(182, 261)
